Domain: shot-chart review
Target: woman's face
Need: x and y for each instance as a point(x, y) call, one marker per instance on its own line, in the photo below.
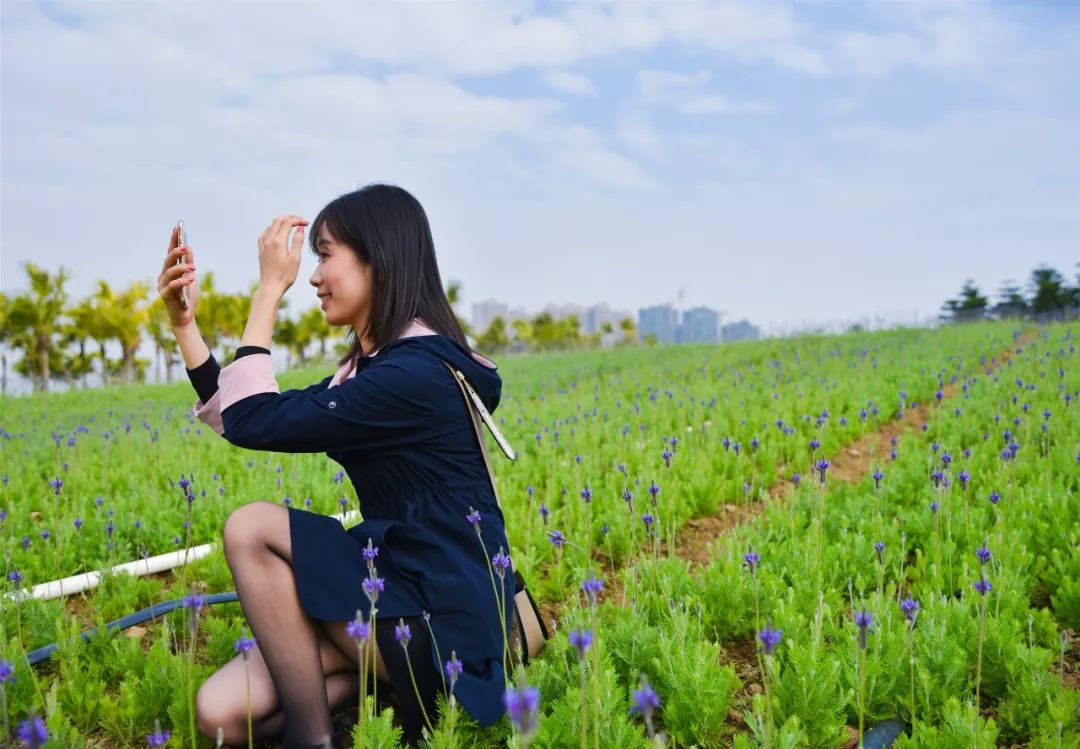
point(342, 282)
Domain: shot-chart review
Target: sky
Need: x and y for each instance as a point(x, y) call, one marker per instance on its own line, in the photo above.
point(787, 163)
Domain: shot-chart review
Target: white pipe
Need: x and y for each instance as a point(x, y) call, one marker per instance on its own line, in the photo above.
point(90, 579)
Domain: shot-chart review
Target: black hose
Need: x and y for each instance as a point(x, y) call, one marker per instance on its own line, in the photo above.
point(158, 609)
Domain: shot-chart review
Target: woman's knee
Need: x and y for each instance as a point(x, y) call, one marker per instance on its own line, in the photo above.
point(213, 711)
point(246, 528)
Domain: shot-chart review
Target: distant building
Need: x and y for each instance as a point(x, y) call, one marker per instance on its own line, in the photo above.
point(484, 312)
point(699, 325)
point(660, 321)
point(740, 331)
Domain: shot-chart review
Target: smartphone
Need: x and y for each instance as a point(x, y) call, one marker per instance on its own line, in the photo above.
point(182, 242)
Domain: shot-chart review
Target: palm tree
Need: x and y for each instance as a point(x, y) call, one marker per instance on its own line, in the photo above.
point(165, 346)
point(312, 326)
point(34, 317)
point(82, 319)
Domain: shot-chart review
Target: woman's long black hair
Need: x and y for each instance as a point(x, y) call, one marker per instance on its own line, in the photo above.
point(388, 228)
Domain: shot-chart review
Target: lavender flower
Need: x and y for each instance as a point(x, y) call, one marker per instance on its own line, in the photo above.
point(586, 494)
point(751, 560)
point(814, 445)
point(769, 638)
point(581, 640)
point(373, 586)
point(877, 476)
point(7, 672)
point(963, 477)
point(195, 602)
point(358, 629)
point(244, 646)
point(453, 669)
point(879, 547)
point(645, 700)
point(982, 586)
point(474, 518)
point(32, 732)
point(370, 552)
point(821, 467)
point(934, 507)
point(557, 538)
point(796, 478)
point(57, 484)
point(909, 607)
point(593, 587)
point(402, 633)
point(984, 555)
point(523, 705)
point(157, 738)
point(648, 519)
point(501, 563)
point(863, 620)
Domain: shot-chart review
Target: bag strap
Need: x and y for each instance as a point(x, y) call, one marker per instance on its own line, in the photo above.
point(471, 400)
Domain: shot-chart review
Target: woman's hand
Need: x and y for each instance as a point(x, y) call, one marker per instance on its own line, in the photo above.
point(278, 265)
point(174, 278)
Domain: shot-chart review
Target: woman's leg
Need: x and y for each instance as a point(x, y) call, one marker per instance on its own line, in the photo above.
point(222, 700)
point(259, 552)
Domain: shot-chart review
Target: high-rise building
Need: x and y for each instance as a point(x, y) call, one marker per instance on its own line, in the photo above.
point(740, 331)
point(484, 312)
point(661, 321)
point(699, 325)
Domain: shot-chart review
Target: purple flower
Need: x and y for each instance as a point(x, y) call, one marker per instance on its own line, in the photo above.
point(994, 498)
point(910, 608)
point(45, 535)
point(544, 512)
point(645, 700)
point(7, 672)
point(474, 518)
point(593, 587)
point(15, 577)
point(581, 640)
point(522, 704)
point(814, 445)
point(796, 478)
point(653, 490)
point(863, 620)
point(666, 455)
point(32, 732)
point(982, 586)
point(648, 519)
point(402, 633)
point(934, 507)
point(769, 638)
point(57, 484)
point(586, 494)
point(157, 738)
point(938, 478)
point(370, 552)
point(244, 646)
point(358, 629)
point(879, 547)
point(373, 586)
point(751, 560)
point(195, 601)
point(500, 562)
point(984, 555)
point(946, 459)
point(821, 467)
point(453, 668)
point(963, 477)
point(877, 476)
point(557, 538)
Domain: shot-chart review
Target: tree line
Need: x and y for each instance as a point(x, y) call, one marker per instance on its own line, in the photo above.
point(1048, 297)
point(63, 338)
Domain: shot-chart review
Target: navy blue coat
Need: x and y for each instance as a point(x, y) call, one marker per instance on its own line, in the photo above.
point(400, 429)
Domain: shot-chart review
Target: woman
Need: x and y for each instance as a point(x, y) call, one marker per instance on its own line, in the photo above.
point(394, 418)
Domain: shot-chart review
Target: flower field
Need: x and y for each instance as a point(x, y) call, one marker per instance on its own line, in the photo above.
point(781, 543)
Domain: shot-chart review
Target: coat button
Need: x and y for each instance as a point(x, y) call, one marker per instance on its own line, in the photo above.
point(332, 404)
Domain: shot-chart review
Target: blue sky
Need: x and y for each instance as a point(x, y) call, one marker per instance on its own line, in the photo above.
point(788, 163)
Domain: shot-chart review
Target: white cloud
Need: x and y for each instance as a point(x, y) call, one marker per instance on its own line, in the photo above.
point(570, 83)
point(715, 104)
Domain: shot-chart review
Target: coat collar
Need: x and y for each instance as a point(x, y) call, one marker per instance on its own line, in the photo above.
point(416, 328)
